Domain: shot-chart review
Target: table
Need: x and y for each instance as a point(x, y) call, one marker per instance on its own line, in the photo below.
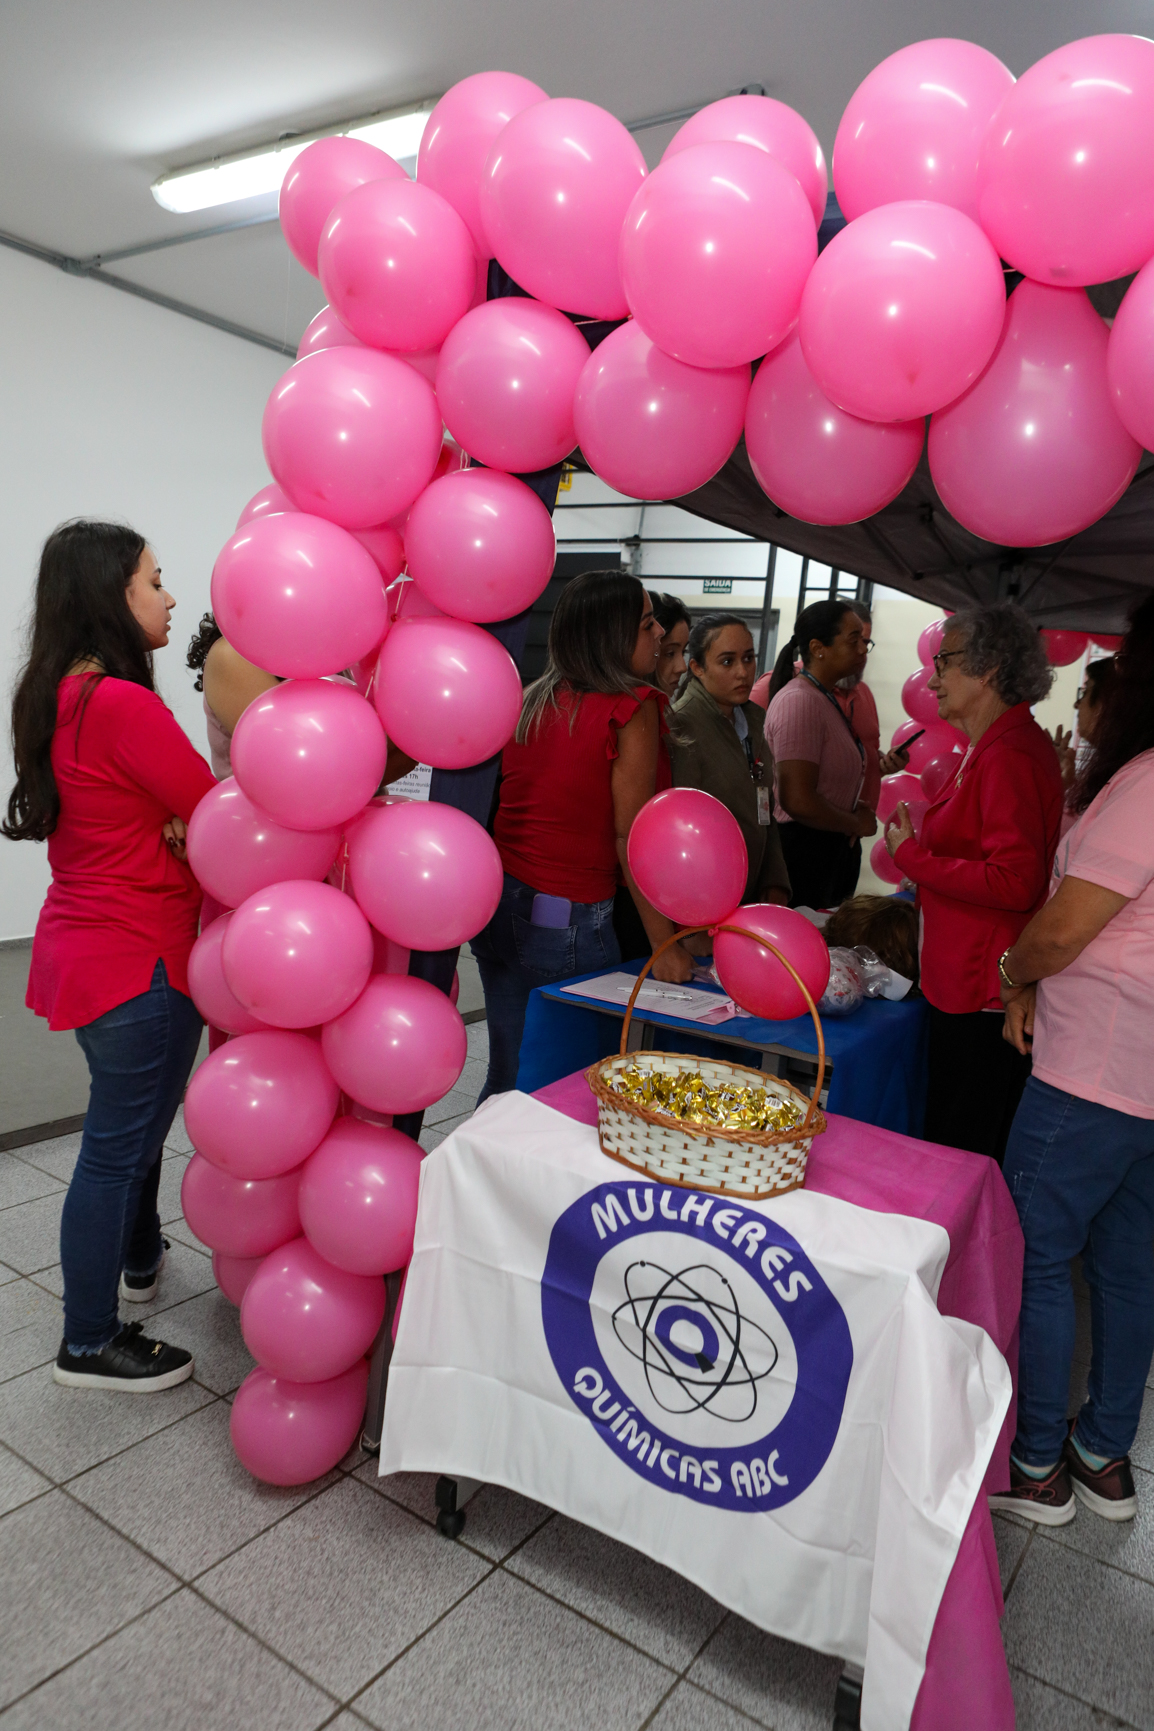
point(878, 1055)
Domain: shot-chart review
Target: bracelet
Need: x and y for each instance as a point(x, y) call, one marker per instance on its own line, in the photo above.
point(1012, 985)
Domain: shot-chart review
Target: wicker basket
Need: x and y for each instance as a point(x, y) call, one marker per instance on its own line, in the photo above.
point(752, 1164)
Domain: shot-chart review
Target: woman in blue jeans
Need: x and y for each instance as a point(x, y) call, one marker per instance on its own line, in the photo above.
point(1079, 990)
point(106, 776)
point(586, 756)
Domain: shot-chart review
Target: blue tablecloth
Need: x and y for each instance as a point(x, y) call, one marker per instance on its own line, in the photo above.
point(878, 1053)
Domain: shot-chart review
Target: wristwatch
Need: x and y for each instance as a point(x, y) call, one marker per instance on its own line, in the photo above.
point(1012, 985)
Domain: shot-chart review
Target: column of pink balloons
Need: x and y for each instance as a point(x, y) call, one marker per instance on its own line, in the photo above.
point(935, 753)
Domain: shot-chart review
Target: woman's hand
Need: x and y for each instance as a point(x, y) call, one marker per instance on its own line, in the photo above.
point(175, 833)
point(674, 967)
point(1019, 1024)
point(865, 822)
point(900, 829)
point(893, 762)
point(1067, 756)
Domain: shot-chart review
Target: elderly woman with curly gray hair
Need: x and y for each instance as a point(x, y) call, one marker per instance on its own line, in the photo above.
point(981, 866)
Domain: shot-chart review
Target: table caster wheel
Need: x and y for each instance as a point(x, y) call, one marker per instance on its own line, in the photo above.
point(451, 1522)
point(847, 1701)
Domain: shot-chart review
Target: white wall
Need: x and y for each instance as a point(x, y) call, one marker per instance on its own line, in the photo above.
point(110, 407)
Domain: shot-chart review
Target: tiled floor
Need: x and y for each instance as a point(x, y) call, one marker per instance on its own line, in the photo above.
point(149, 1582)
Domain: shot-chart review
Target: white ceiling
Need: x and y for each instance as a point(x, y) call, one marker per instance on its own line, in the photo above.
point(98, 97)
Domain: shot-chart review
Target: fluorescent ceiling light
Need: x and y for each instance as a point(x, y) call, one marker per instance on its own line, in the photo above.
point(259, 173)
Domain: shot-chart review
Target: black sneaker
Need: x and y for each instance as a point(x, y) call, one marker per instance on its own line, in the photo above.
point(1049, 1501)
point(132, 1363)
point(139, 1288)
point(1109, 1491)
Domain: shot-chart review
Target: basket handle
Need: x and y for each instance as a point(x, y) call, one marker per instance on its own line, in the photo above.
point(690, 931)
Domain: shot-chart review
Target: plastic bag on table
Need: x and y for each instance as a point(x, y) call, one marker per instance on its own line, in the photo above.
point(847, 987)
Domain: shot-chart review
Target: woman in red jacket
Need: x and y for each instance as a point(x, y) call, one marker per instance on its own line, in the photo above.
point(108, 778)
point(982, 866)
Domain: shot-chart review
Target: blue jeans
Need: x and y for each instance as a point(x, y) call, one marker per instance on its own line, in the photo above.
point(1082, 1177)
point(515, 956)
point(140, 1056)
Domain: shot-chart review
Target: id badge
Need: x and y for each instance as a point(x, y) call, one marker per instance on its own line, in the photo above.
point(764, 806)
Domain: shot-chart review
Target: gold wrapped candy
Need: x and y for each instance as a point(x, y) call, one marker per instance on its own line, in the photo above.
point(714, 1105)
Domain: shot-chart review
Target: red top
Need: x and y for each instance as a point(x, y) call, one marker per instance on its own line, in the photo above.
point(555, 827)
point(982, 865)
point(118, 901)
point(862, 713)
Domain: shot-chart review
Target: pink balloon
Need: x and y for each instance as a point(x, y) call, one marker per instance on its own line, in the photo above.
point(715, 251)
point(768, 125)
point(427, 876)
point(1066, 168)
point(652, 426)
point(902, 310)
point(235, 849)
point(320, 176)
point(811, 458)
point(459, 134)
point(913, 127)
point(210, 991)
point(939, 775)
point(297, 953)
point(930, 640)
point(905, 785)
point(1063, 648)
point(1108, 644)
point(233, 1273)
point(387, 551)
point(298, 596)
point(688, 855)
point(882, 864)
point(358, 1197)
point(1130, 358)
point(290, 1433)
point(326, 332)
point(480, 544)
point(505, 382)
point(401, 1046)
point(919, 703)
point(554, 192)
point(408, 601)
point(352, 435)
point(241, 1217)
point(309, 752)
point(447, 692)
point(936, 739)
point(753, 976)
point(266, 503)
point(397, 264)
point(1034, 452)
point(303, 1318)
point(258, 1105)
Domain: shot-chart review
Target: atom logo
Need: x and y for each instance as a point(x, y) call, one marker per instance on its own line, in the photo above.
point(698, 1352)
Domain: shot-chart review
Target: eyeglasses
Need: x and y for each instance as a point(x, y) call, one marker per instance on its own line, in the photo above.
point(941, 659)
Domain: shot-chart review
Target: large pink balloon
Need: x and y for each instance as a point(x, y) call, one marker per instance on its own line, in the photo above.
point(233, 1273)
point(902, 310)
point(358, 1197)
point(480, 544)
point(895, 788)
point(1063, 648)
point(1034, 452)
point(397, 263)
point(505, 382)
point(554, 192)
point(459, 135)
point(241, 1217)
point(913, 127)
point(352, 435)
point(652, 426)
point(259, 1104)
point(882, 864)
point(1066, 169)
point(401, 1046)
point(326, 332)
point(309, 752)
point(266, 503)
point(235, 849)
point(317, 179)
point(688, 855)
point(1130, 358)
point(810, 457)
point(447, 692)
point(297, 953)
point(427, 876)
point(290, 1433)
point(918, 701)
point(387, 551)
point(930, 640)
point(769, 125)
point(715, 251)
point(298, 596)
point(753, 976)
point(303, 1318)
point(210, 991)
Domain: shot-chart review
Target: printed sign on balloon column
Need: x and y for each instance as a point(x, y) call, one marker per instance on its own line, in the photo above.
point(415, 785)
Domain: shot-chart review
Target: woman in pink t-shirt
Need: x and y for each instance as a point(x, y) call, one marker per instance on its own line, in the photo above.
point(1079, 989)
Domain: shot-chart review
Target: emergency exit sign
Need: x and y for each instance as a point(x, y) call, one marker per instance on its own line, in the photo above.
point(717, 586)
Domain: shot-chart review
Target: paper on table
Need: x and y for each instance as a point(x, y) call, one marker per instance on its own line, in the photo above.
point(687, 1003)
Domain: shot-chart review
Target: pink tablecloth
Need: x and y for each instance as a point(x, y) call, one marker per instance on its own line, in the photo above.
point(966, 1684)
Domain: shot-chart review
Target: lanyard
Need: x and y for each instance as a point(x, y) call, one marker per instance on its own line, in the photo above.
point(818, 686)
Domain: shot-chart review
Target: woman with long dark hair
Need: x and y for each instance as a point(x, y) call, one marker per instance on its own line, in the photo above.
point(1078, 985)
point(106, 776)
point(586, 756)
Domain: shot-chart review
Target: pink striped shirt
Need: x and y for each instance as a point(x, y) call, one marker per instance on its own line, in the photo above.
point(804, 726)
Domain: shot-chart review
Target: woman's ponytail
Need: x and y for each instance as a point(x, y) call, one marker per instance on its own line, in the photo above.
point(783, 668)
